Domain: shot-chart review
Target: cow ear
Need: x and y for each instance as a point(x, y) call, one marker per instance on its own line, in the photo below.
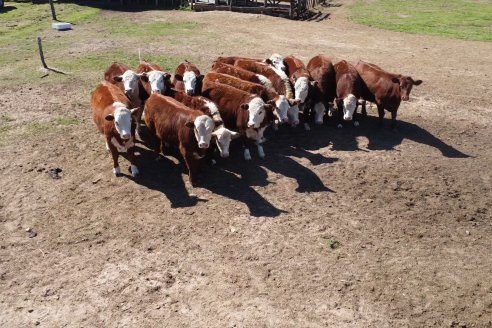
point(178, 77)
point(118, 78)
point(314, 83)
point(109, 117)
point(200, 78)
point(395, 80)
point(268, 107)
point(235, 134)
point(218, 122)
point(190, 124)
point(134, 111)
point(271, 102)
point(244, 106)
point(167, 76)
point(418, 82)
point(268, 61)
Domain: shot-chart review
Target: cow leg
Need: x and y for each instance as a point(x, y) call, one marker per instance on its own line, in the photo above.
point(363, 110)
point(131, 157)
point(191, 164)
point(381, 115)
point(393, 120)
point(261, 153)
point(115, 155)
point(339, 102)
point(246, 144)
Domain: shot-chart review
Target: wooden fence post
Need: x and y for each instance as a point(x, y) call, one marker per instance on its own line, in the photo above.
point(53, 14)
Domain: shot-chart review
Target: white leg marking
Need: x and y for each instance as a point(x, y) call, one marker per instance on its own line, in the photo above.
point(356, 123)
point(340, 125)
point(307, 127)
point(116, 170)
point(134, 170)
point(107, 146)
point(261, 153)
point(247, 155)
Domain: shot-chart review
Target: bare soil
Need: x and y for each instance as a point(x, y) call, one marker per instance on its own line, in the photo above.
point(407, 213)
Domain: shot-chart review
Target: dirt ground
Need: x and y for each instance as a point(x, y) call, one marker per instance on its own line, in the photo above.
point(407, 212)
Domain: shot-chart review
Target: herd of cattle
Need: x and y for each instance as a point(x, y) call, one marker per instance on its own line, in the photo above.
point(239, 97)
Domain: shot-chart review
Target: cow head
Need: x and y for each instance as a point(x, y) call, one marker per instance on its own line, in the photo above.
point(406, 83)
point(122, 118)
point(257, 111)
point(349, 106)
point(301, 88)
point(319, 112)
point(293, 112)
point(190, 80)
point(281, 106)
point(203, 127)
point(130, 81)
point(277, 61)
point(157, 80)
point(223, 138)
point(211, 109)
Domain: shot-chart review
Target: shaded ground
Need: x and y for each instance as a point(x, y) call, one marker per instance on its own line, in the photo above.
point(250, 246)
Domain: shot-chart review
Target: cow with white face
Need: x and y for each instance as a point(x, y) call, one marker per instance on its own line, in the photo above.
point(203, 127)
point(277, 61)
point(223, 138)
point(257, 112)
point(155, 80)
point(187, 78)
point(114, 119)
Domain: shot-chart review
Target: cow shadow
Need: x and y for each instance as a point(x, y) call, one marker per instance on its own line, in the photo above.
point(7, 9)
point(124, 6)
point(345, 139)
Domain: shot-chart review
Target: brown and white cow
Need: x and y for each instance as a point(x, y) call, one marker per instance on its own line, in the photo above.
point(241, 112)
point(177, 125)
point(385, 89)
point(299, 76)
point(349, 91)
point(280, 83)
point(116, 121)
point(241, 73)
point(157, 80)
point(221, 134)
point(274, 60)
point(324, 92)
point(128, 81)
point(280, 102)
point(187, 78)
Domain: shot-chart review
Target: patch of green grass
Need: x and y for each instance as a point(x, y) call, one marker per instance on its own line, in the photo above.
point(39, 127)
point(462, 19)
point(333, 244)
point(64, 121)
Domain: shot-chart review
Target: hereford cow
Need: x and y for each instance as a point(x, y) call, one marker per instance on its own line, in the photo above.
point(157, 80)
point(280, 82)
point(299, 77)
point(114, 119)
point(280, 102)
point(128, 81)
point(241, 73)
point(349, 91)
point(187, 78)
point(221, 134)
point(323, 73)
point(241, 112)
point(179, 126)
point(274, 60)
point(385, 89)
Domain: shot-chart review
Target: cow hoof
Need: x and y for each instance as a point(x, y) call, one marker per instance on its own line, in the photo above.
point(133, 170)
point(307, 127)
point(117, 171)
point(356, 123)
point(340, 126)
point(213, 162)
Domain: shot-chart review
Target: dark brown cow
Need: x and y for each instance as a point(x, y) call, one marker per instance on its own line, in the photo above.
point(187, 78)
point(275, 60)
point(157, 80)
point(114, 119)
point(385, 89)
point(349, 91)
point(241, 112)
point(179, 126)
point(270, 96)
point(232, 59)
point(324, 92)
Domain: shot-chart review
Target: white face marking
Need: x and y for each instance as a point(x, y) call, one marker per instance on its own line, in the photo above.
point(349, 105)
point(223, 138)
point(212, 107)
point(319, 111)
point(204, 127)
point(293, 115)
point(122, 121)
point(301, 88)
point(130, 82)
point(282, 107)
point(256, 111)
point(189, 79)
point(278, 62)
point(156, 80)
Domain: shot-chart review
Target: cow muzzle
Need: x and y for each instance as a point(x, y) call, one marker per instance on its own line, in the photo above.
point(284, 120)
point(347, 118)
point(224, 154)
point(156, 91)
point(125, 136)
point(190, 92)
point(404, 98)
point(203, 145)
point(251, 125)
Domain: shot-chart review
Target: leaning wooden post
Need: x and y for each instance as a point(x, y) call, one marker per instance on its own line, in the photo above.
point(53, 14)
point(41, 54)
